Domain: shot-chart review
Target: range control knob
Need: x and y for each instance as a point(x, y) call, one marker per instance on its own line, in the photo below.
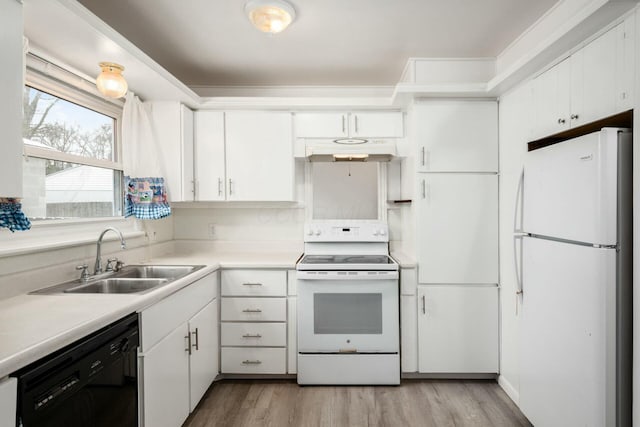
point(309, 232)
point(382, 232)
point(318, 232)
point(375, 232)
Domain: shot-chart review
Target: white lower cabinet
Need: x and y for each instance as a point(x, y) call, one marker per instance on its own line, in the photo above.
point(458, 329)
point(165, 380)
point(253, 317)
point(408, 334)
point(203, 365)
point(254, 360)
point(179, 353)
point(8, 396)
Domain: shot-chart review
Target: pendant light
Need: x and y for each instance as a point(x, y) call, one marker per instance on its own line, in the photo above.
point(110, 81)
point(270, 16)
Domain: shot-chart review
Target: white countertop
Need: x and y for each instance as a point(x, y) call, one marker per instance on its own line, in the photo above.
point(32, 326)
point(404, 260)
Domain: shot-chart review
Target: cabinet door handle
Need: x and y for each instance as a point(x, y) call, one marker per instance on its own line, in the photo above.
point(252, 336)
point(252, 284)
point(220, 187)
point(252, 362)
point(424, 160)
point(575, 117)
point(355, 117)
point(230, 187)
point(561, 121)
point(195, 188)
point(344, 124)
point(424, 189)
point(195, 334)
point(252, 310)
point(424, 304)
point(188, 339)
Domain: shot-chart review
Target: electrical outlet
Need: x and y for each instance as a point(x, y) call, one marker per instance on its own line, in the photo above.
point(212, 230)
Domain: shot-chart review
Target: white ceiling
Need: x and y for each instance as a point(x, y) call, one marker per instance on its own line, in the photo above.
point(331, 42)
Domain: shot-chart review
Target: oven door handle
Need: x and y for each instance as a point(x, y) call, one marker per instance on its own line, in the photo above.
point(342, 275)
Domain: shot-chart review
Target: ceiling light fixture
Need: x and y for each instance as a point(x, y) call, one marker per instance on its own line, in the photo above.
point(270, 16)
point(110, 81)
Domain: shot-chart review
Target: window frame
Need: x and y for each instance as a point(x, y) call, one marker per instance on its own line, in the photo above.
point(49, 78)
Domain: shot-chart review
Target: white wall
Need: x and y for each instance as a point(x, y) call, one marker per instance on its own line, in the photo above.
point(515, 115)
point(239, 223)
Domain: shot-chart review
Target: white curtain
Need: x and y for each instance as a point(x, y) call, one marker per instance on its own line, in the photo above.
point(140, 157)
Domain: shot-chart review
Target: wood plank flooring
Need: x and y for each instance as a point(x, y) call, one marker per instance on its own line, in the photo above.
point(425, 403)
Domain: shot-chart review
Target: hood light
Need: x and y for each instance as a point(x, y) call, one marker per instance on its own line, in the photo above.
point(110, 81)
point(270, 16)
point(350, 157)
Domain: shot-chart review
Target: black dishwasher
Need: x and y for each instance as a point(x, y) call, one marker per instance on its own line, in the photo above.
point(90, 383)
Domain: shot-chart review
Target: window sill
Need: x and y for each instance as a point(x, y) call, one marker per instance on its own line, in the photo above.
point(48, 235)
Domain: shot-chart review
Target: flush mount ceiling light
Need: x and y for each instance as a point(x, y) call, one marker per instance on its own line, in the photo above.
point(110, 81)
point(270, 16)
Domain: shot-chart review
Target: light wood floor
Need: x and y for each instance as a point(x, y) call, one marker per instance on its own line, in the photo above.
point(437, 403)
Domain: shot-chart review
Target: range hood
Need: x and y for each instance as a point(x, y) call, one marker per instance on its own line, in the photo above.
point(350, 150)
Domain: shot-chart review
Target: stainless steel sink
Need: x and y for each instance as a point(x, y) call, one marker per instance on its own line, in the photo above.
point(156, 271)
point(132, 279)
point(117, 286)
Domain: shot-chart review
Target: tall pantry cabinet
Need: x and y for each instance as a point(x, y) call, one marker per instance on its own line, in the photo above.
point(456, 206)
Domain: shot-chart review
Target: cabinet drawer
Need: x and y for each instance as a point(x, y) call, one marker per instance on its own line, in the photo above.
point(254, 334)
point(160, 319)
point(254, 309)
point(251, 360)
point(254, 283)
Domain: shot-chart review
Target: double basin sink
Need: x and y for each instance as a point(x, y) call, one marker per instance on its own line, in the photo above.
point(131, 279)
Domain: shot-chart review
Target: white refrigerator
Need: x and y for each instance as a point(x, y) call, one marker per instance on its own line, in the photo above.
point(576, 260)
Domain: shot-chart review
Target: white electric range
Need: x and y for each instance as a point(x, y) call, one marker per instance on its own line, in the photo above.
point(348, 316)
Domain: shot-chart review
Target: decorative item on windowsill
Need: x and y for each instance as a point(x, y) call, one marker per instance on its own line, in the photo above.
point(146, 198)
point(110, 82)
point(11, 215)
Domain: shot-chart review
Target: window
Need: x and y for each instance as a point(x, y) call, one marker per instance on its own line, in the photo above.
point(71, 165)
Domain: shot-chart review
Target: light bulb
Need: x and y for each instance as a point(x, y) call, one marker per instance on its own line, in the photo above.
point(110, 82)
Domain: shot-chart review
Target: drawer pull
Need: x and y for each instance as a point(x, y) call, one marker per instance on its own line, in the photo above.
point(252, 362)
point(252, 336)
point(251, 310)
point(252, 284)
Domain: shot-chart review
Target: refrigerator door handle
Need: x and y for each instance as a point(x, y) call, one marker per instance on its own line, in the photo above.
point(518, 234)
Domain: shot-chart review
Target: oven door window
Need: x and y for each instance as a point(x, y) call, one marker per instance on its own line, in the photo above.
point(342, 313)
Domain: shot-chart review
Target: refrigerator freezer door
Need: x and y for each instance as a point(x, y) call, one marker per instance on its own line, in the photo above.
point(570, 189)
point(568, 334)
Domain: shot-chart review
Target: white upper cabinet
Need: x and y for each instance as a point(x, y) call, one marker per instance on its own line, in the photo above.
point(11, 105)
point(173, 125)
point(259, 154)
point(593, 83)
point(626, 64)
point(209, 156)
point(552, 100)
point(457, 237)
point(456, 136)
point(378, 124)
point(321, 125)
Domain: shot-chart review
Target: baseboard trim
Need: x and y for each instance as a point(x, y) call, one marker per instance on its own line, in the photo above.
point(509, 389)
point(447, 376)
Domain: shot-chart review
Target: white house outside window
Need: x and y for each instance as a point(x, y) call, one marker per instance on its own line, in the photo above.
point(71, 165)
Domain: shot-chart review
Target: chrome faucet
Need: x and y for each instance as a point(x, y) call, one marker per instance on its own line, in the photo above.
point(98, 267)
